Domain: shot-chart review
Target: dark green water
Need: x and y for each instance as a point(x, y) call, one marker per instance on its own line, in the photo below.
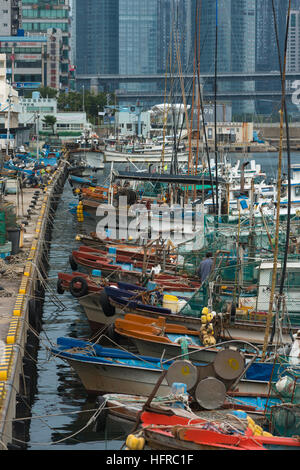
point(61, 406)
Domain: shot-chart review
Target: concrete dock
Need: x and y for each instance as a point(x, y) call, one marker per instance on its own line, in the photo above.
point(21, 300)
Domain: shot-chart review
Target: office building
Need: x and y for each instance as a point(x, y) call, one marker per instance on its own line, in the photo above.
point(138, 21)
point(97, 37)
point(10, 17)
point(235, 20)
point(33, 61)
point(39, 16)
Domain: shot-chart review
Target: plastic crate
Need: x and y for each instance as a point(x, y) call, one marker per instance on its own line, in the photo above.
point(5, 250)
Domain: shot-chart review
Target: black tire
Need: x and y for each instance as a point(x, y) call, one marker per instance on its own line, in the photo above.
point(59, 288)
point(79, 291)
point(35, 313)
point(108, 309)
point(73, 263)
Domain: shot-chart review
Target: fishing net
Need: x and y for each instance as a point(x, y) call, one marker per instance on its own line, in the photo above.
point(10, 217)
point(285, 420)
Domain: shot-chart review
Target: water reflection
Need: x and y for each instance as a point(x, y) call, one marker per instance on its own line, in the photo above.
point(62, 407)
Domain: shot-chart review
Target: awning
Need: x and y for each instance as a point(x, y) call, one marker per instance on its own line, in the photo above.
point(165, 178)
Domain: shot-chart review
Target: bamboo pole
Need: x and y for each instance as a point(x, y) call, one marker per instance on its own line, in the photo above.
point(279, 185)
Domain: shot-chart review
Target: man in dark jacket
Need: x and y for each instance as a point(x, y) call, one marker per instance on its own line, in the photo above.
point(205, 267)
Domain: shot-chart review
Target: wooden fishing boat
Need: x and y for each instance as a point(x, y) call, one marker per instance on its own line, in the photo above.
point(176, 433)
point(115, 266)
point(79, 183)
point(98, 193)
point(101, 309)
point(93, 240)
point(128, 407)
point(105, 265)
point(90, 292)
point(156, 337)
point(129, 253)
point(78, 284)
point(106, 370)
point(109, 370)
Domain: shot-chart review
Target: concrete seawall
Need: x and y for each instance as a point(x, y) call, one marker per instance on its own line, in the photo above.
point(21, 313)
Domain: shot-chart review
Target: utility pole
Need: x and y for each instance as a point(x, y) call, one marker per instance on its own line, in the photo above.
point(83, 104)
point(8, 122)
point(37, 127)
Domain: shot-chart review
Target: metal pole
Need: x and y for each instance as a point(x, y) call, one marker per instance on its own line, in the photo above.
point(8, 122)
point(216, 137)
point(37, 122)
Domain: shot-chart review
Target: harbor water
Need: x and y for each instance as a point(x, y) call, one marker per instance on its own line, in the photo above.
point(62, 411)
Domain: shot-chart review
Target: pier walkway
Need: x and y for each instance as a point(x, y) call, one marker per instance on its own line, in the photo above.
point(21, 280)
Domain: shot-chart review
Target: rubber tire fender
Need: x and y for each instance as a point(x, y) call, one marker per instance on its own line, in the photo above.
point(108, 309)
point(35, 313)
point(73, 263)
point(82, 291)
point(59, 288)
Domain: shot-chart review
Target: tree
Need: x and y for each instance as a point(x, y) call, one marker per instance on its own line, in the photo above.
point(50, 121)
point(47, 92)
point(77, 102)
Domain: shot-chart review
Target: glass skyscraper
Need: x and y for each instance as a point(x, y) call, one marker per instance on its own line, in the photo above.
point(137, 41)
point(97, 36)
point(235, 20)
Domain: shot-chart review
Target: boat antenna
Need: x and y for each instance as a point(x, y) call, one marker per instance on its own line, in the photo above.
point(279, 183)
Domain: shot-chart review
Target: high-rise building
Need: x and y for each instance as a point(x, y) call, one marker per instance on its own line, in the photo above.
point(10, 17)
point(293, 47)
point(33, 61)
point(175, 34)
point(39, 16)
point(137, 37)
point(97, 36)
point(234, 21)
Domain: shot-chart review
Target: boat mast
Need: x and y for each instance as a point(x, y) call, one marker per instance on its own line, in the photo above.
point(288, 227)
point(279, 184)
point(215, 104)
point(201, 103)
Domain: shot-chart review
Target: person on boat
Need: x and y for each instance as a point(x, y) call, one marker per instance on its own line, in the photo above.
point(294, 356)
point(205, 267)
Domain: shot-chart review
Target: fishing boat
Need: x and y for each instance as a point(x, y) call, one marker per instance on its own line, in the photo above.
point(131, 253)
point(116, 266)
point(157, 338)
point(294, 195)
point(146, 154)
point(109, 370)
point(127, 408)
point(95, 241)
point(164, 432)
point(77, 182)
point(105, 308)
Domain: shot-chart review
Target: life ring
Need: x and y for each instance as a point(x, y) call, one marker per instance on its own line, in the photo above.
point(73, 263)
point(59, 288)
point(108, 309)
point(78, 287)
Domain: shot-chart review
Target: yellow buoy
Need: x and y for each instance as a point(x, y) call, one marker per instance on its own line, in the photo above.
point(135, 443)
